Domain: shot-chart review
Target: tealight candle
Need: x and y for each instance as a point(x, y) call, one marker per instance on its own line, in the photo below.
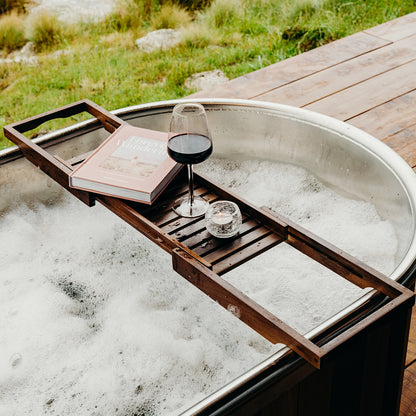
point(223, 219)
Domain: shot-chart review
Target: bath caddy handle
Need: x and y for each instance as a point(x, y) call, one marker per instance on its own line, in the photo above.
point(202, 259)
point(44, 160)
point(108, 120)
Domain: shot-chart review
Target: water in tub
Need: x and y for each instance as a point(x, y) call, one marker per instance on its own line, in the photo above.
point(93, 320)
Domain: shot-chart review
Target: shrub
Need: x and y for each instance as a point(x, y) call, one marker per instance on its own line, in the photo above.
point(224, 13)
point(308, 38)
point(11, 32)
point(170, 16)
point(160, 14)
point(45, 31)
point(312, 24)
point(7, 6)
point(190, 5)
point(198, 35)
point(127, 15)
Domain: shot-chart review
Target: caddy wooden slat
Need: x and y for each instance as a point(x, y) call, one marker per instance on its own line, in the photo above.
point(201, 258)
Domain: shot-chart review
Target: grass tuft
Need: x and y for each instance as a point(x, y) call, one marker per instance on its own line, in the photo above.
point(45, 31)
point(190, 5)
point(128, 14)
point(200, 35)
point(225, 14)
point(313, 24)
point(12, 32)
point(170, 16)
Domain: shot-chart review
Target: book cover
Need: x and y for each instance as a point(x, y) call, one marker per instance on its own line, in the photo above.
point(132, 163)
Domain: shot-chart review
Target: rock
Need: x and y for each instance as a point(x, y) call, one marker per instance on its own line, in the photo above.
point(159, 40)
point(73, 11)
point(28, 50)
point(26, 55)
point(204, 80)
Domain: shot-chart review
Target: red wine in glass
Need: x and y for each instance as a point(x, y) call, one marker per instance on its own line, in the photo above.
point(189, 148)
point(189, 143)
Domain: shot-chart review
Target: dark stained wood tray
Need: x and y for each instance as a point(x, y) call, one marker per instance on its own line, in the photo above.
point(201, 258)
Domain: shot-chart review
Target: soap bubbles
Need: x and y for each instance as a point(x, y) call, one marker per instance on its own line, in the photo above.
point(15, 359)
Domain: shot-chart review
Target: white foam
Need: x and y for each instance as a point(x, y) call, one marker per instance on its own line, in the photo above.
point(94, 320)
point(290, 285)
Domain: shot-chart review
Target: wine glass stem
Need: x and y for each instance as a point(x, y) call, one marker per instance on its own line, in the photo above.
point(191, 186)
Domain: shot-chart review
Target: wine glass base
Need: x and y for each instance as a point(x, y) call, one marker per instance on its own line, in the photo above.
point(183, 207)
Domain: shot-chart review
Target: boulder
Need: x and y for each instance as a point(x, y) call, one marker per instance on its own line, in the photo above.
point(159, 40)
point(26, 55)
point(205, 80)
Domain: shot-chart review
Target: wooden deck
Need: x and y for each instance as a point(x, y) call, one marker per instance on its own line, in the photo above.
point(368, 80)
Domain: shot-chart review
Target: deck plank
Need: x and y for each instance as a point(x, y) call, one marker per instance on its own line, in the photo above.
point(411, 349)
point(404, 143)
point(395, 29)
point(384, 121)
point(408, 397)
point(339, 77)
point(297, 67)
point(408, 401)
point(364, 96)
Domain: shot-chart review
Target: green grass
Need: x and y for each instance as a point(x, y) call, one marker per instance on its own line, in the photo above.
point(235, 36)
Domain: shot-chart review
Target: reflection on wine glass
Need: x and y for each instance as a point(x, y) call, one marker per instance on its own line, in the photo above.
point(189, 143)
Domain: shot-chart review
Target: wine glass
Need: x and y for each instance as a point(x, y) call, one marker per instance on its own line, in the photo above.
point(189, 143)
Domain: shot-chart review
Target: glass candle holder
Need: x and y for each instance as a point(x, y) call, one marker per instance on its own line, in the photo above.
point(223, 219)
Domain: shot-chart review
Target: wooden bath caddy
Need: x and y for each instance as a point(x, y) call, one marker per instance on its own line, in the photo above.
point(201, 258)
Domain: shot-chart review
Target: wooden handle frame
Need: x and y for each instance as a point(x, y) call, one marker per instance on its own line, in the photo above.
point(200, 272)
point(41, 158)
